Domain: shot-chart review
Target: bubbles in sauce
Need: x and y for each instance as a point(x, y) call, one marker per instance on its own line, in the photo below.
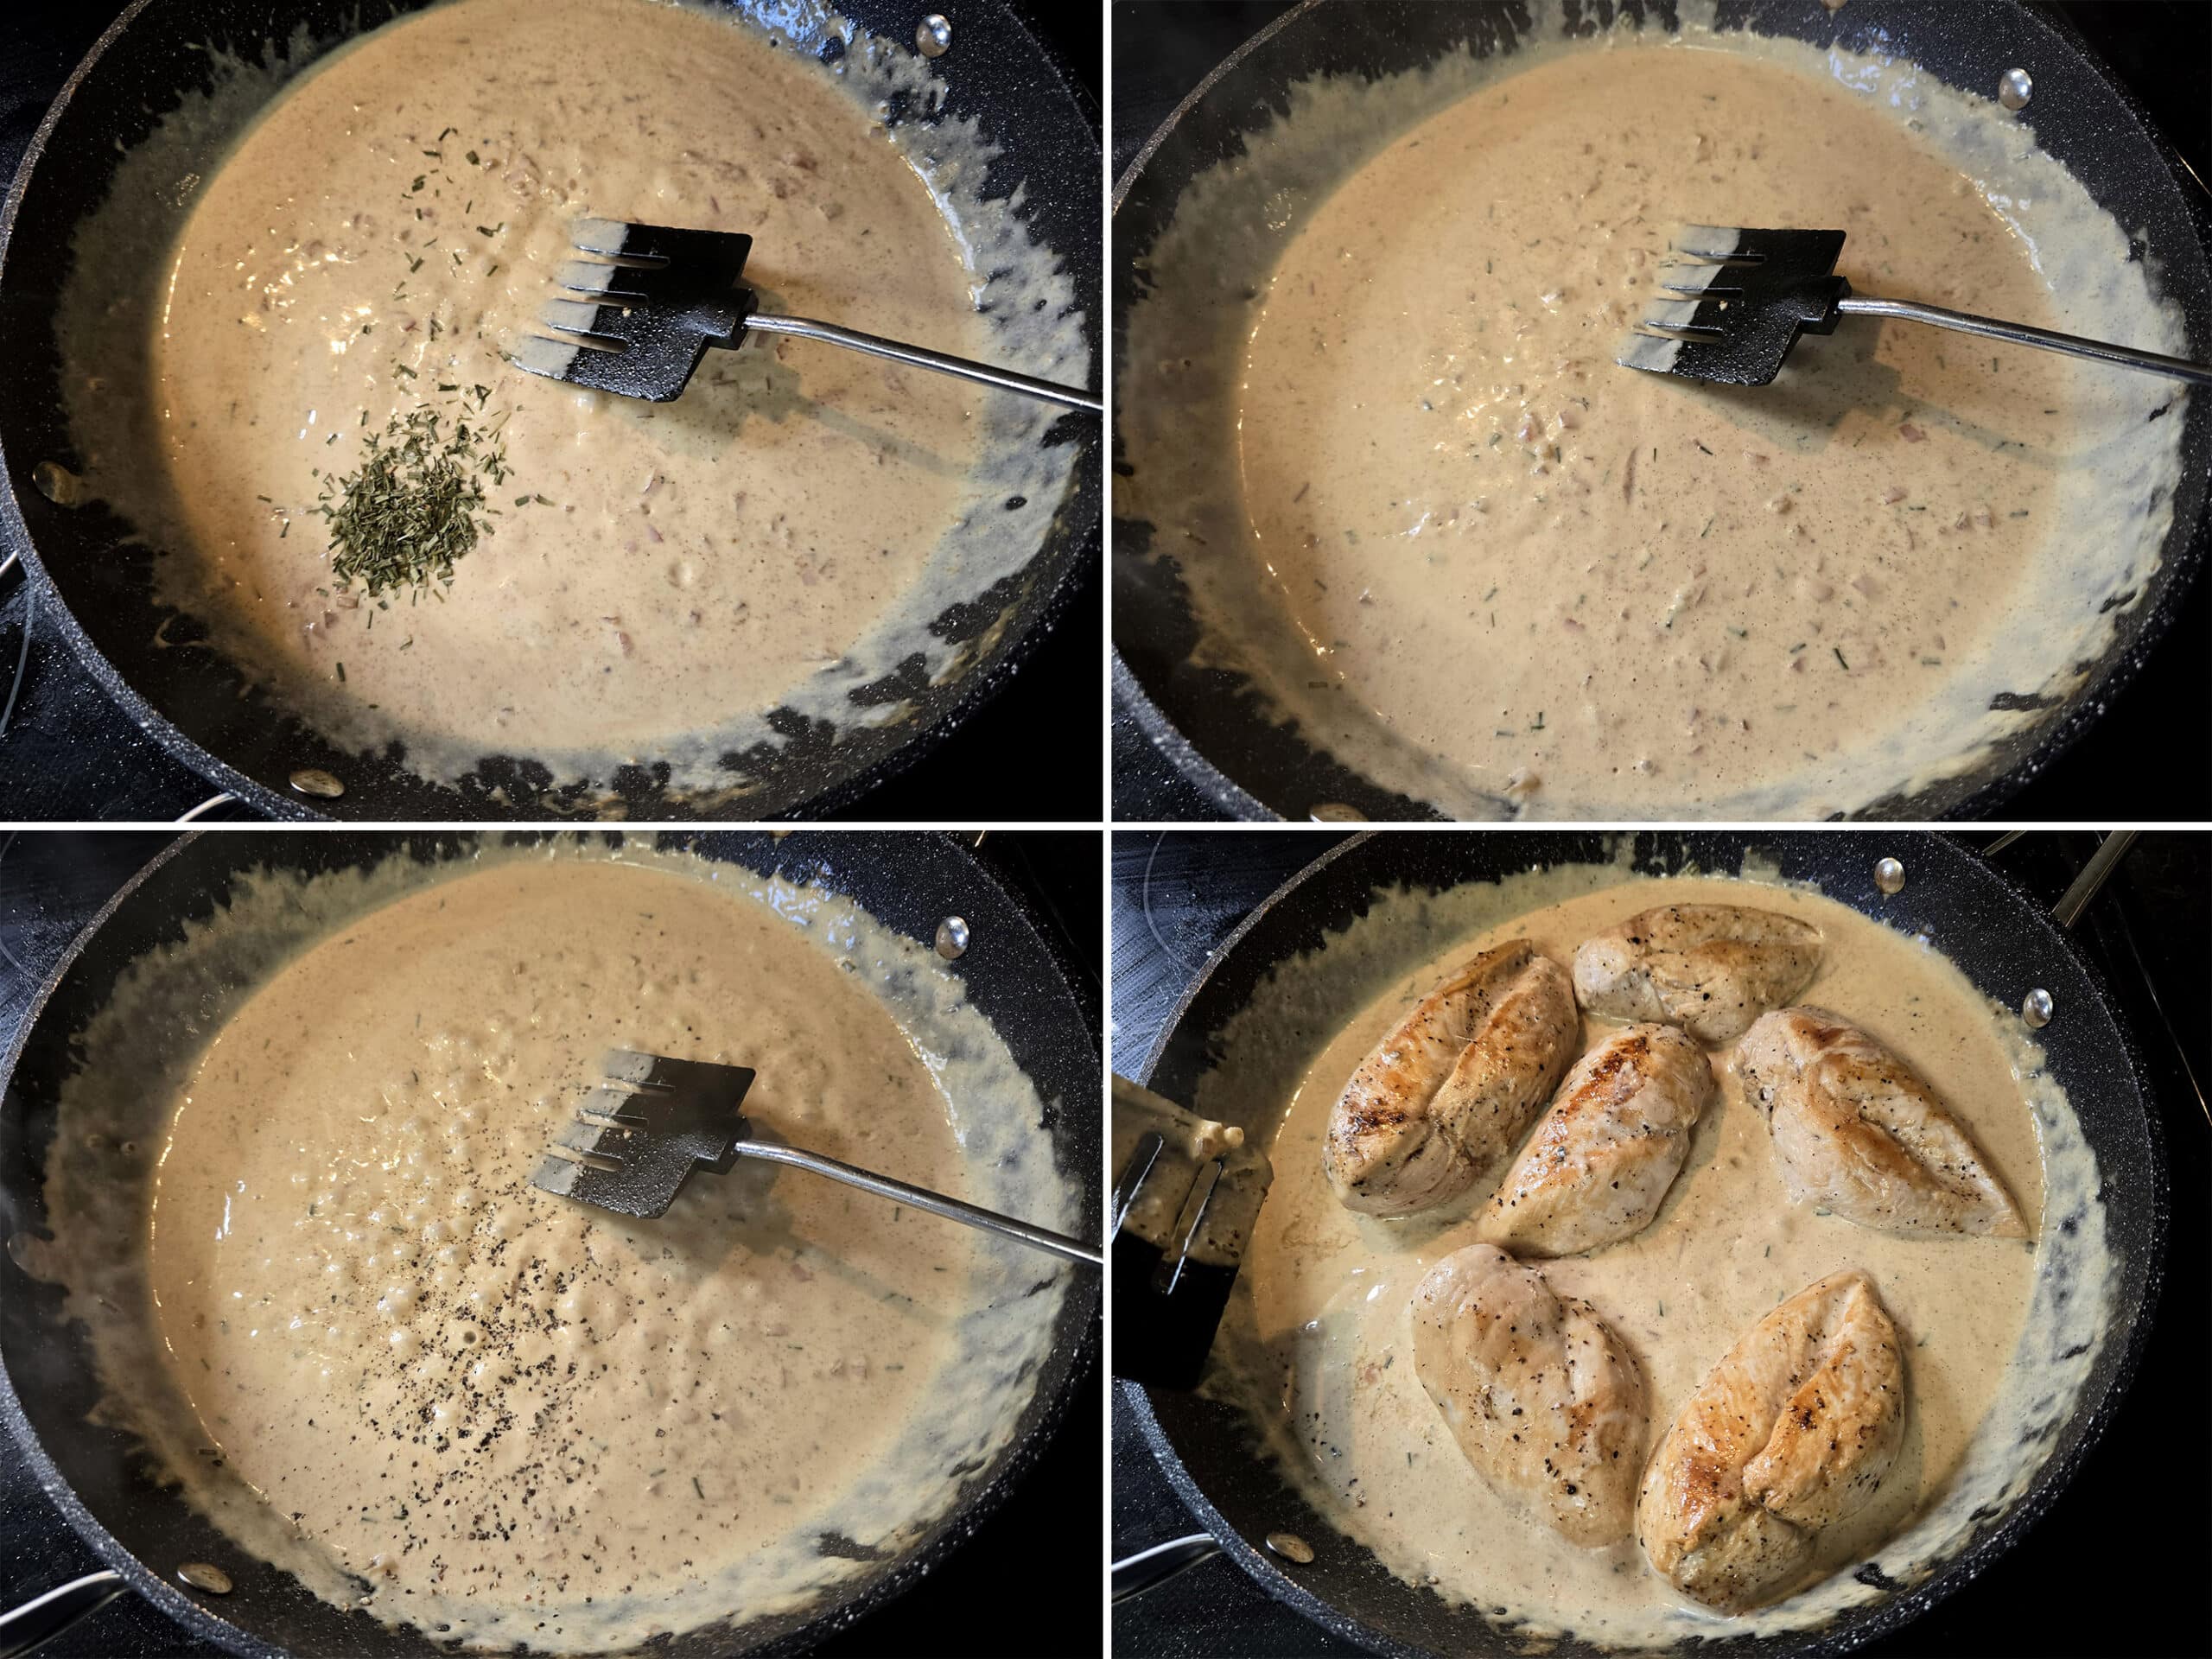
point(438, 1393)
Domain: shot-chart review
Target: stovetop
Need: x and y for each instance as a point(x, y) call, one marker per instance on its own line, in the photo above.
point(53, 881)
point(68, 753)
point(2159, 47)
point(1176, 896)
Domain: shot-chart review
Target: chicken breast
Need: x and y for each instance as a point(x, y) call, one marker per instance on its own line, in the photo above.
point(1858, 1133)
point(1791, 1432)
point(1541, 1396)
point(1443, 1098)
point(1710, 969)
point(1604, 1154)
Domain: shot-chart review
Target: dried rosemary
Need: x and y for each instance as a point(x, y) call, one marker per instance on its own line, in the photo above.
point(416, 504)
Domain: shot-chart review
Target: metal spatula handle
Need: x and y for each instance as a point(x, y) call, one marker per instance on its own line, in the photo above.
point(1865, 305)
point(937, 1203)
point(43, 1617)
point(899, 351)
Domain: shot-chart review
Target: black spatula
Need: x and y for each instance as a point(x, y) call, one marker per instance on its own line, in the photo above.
point(637, 314)
point(1748, 295)
point(637, 1138)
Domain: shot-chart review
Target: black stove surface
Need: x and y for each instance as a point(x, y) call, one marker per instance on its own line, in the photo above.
point(53, 881)
point(2160, 49)
point(1176, 896)
point(68, 753)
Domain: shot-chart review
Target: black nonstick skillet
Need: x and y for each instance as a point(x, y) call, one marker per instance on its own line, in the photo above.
point(1230, 758)
point(1039, 1001)
point(2007, 943)
point(91, 587)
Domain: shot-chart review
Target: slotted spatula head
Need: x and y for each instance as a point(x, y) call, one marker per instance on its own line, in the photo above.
point(636, 1137)
point(638, 310)
point(1746, 297)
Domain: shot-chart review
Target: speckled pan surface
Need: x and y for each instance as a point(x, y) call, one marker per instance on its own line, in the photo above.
point(2001, 941)
point(1210, 722)
point(1012, 974)
point(93, 585)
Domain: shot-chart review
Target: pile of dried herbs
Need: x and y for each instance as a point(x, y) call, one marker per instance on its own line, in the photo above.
point(417, 503)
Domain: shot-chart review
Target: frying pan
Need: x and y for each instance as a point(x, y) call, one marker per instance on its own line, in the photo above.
point(97, 587)
point(1209, 722)
point(1034, 998)
point(2005, 944)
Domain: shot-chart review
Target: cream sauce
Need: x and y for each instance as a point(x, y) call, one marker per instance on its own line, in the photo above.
point(1498, 572)
point(1318, 1343)
point(389, 227)
point(514, 1418)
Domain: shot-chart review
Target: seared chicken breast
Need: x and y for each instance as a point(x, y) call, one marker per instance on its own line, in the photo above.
point(1791, 1432)
point(1710, 969)
point(1541, 1395)
point(1604, 1154)
point(1444, 1097)
point(1858, 1133)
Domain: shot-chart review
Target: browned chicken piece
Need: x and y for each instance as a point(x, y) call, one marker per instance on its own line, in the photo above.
point(1601, 1161)
point(1858, 1133)
point(1710, 969)
point(1444, 1097)
point(1791, 1432)
point(1541, 1396)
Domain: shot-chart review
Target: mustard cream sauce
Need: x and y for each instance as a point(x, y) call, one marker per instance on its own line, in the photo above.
point(442, 1394)
point(1372, 413)
point(658, 577)
point(1318, 1347)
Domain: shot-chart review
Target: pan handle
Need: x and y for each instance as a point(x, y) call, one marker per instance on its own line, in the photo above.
point(2075, 899)
point(1134, 1574)
point(42, 1618)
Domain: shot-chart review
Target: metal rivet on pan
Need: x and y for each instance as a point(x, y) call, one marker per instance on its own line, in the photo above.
point(2014, 89)
point(951, 937)
point(1889, 875)
point(57, 484)
point(201, 1576)
point(1290, 1546)
point(312, 780)
point(2036, 1008)
point(1338, 812)
point(933, 36)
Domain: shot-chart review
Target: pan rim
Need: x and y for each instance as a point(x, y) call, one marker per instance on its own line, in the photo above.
point(2083, 710)
point(949, 1534)
point(1086, 540)
point(2052, 1476)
